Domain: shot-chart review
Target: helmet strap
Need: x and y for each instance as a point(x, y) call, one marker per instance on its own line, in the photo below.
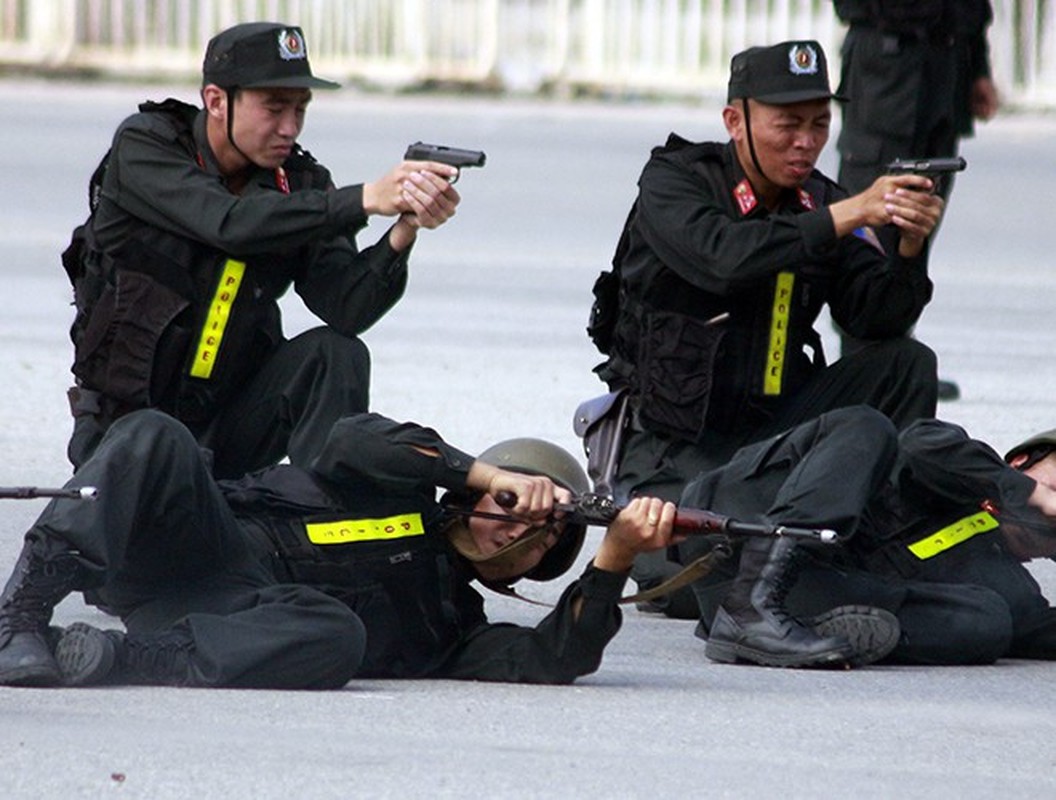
point(462, 540)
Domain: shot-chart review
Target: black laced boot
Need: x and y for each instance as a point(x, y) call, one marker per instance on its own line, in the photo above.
point(752, 623)
point(873, 632)
point(90, 656)
point(46, 571)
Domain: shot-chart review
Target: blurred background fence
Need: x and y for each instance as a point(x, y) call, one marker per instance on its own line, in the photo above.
point(619, 47)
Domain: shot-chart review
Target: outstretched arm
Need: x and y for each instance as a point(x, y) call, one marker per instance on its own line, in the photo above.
point(570, 640)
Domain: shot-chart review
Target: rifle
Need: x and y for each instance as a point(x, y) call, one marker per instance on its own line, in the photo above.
point(452, 156)
point(601, 510)
point(31, 492)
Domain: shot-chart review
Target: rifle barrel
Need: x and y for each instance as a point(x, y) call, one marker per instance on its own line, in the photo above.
point(31, 492)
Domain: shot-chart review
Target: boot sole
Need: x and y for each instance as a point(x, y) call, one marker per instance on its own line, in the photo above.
point(85, 656)
point(732, 653)
point(37, 669)
point(872, 632)
point(35, 676)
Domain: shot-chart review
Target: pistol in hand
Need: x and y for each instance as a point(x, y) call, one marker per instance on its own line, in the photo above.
point(452, 156)
point(938, 169)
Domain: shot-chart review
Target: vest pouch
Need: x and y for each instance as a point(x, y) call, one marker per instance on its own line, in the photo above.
point(675, 373)
point(400, 590)
point(603, 313)
point(399, 585)
point(134, 345)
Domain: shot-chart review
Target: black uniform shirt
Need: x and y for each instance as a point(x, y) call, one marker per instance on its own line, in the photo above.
point(701, 248)
point(941, 519)
point(151, 180)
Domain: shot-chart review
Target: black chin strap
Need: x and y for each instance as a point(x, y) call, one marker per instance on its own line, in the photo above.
point(751, 139)
point(231, 92)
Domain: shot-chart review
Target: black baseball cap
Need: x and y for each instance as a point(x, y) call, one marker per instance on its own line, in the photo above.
point(790, 72)
point(260, 54)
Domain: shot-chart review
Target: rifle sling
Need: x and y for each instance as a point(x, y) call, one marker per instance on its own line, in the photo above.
point(691, 572)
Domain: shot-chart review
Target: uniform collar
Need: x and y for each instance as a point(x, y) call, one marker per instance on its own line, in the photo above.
point(207, 160)
point(746, 201)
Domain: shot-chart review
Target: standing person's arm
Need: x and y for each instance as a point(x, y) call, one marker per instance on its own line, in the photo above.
point(983, 99)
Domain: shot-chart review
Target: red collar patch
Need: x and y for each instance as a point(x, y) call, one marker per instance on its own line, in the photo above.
point(281, 181)
point(805, 199)
point(745, 197)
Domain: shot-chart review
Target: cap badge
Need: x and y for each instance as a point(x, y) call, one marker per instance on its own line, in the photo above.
point(802, 60)
point(291, 45)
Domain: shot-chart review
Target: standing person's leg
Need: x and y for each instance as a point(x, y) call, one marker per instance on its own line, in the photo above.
point(288, 408)
point(898, 109)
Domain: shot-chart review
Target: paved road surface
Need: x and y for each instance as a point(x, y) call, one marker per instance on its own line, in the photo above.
point(489, 343)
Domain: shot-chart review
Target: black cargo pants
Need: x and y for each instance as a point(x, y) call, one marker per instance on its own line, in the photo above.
point(161, 549)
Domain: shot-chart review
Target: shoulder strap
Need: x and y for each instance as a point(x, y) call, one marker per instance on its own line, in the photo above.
point(182, 115)
point(305, 172)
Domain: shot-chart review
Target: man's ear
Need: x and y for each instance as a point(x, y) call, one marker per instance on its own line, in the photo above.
point(1018, 460)
point(214, 99)
point(733, 118)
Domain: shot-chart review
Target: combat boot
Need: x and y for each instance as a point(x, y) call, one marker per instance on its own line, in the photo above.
point(752, 623)
point(873, 632)
point(90, 656)
point(46, 571)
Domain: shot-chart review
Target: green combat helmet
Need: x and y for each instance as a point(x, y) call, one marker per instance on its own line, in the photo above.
point(1046, 440)
point(538, 457)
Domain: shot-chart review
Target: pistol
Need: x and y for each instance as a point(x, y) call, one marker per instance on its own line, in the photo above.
point(452, 156)
point(935, 168)
point(929, 167)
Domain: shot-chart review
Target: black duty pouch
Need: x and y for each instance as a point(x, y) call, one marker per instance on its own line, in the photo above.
point(676, 373)
point(601, 326)
point(135, 342)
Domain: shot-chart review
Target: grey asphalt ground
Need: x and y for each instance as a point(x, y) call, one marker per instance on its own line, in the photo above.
point(489, 343)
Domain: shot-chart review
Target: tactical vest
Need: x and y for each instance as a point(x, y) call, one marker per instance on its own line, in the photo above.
point(697, 361)
point(385, 556)
point(167, 322)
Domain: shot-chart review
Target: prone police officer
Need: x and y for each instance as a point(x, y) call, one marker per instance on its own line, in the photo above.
point(301, 578)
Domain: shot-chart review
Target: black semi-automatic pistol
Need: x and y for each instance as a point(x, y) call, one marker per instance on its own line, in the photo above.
point(452, 156)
